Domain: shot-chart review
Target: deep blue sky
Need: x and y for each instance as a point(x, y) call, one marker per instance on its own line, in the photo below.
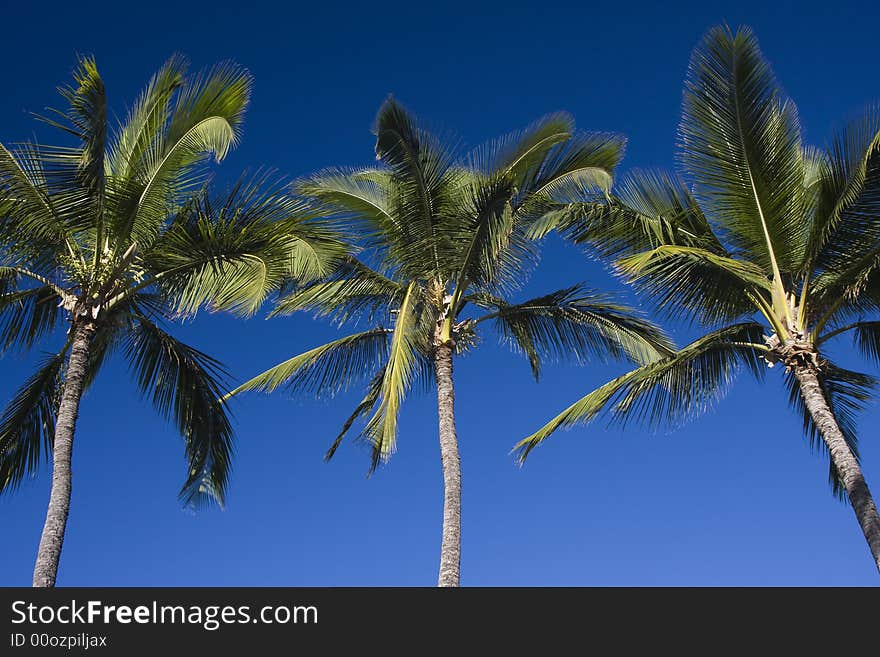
point(735, 497)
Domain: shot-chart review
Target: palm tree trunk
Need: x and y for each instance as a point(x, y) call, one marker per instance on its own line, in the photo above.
point(49, 552)
point(842, 457)
point(450, 550)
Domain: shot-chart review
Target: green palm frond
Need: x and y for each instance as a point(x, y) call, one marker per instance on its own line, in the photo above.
point(740, 141)
point(353, 291)
point(425, 183)
point(492, 254)
point(326, 369)
point(205, 120)
point(696, 283)
point(84, 166)
point(361, 194)
point(670, 389)
point(30, 223)
point(27, 426)
point(26, 315)
point(186, 386)
point(400, 371)
point(577, 323)
point(230, 253)
point(367, 404)
point(146, 119)
point(572, 170)
point(847, 195)
point(867, 339)
point(514, 155)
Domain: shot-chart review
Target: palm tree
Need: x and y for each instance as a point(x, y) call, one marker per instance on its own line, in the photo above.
point(114, 235)
point(772, 244)
point(447, 235)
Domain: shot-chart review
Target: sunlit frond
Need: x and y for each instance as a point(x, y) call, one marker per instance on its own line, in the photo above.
point(695, 283)
point(671, 389)
point(327, 369)
point(400, 371)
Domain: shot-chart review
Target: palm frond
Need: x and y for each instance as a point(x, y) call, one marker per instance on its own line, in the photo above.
point(206, 120)
point(367, 404)
point(146, 119)
point(327, 369)
point(400, 371)
point(27, 426)
point(30, 223)
point(847, 195)
point(425, 185)
point(514, 155)
point(577, 323)
point(740, 141)
point(186, 386)
point(26, 315)
point(353, 291)
point(491, 252)
point(230, 253)
point(84, 166)
point(671, 389)
point(650, 209)
point(696, 283)
point(571, 171)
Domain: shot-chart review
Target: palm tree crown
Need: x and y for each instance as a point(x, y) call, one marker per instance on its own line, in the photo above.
point(771, 243)
point(442, 240)
point(115, 234)
point(447, 235)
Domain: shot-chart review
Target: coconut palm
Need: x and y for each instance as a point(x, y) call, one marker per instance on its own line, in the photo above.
point(112, 236)
point(772, 244)
point(442, 243)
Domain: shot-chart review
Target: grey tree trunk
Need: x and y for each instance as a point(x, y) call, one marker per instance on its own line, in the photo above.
point(450, 550)
point(49, 552)
point(842, 457)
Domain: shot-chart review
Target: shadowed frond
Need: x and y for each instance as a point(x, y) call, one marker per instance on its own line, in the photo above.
point(577, 323)
point(27, 315)
point(86, 119)
point(27, 426)
point(425, 185)
point(30, 224)
point(847, 196)
point(186, 387)
point(367, 404)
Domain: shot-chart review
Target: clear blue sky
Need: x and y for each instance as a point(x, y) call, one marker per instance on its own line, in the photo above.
point(735, 497)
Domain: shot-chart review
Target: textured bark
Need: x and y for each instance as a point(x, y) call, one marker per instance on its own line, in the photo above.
point(842, 457)
point(49, 552)
point(450, 550)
